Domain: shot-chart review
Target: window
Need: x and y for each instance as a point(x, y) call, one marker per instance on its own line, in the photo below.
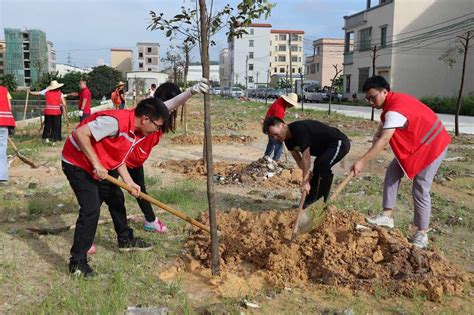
point(251, 55)
point(294, 48)
point(282, 58)
point(140, 55)
point(250, 42)
point(282, 70)
point(251, 31)
point(307, 69)
point(148, 49)
point(294, 59)
point(317, 67)
point(363, 76)
point(250, 79)
point(282, 48)
point(282, 37)
point(149, 69)
point(276, 58)
point(365, 37)
point(250, 66)
point(383, 36)
point(293, 70)
point(348, 83)
point(140, 65)
point(316, 51)
point(348, 47)
point(275, 70)
point(294, 37)
point(276, 48)
point(313, 68)
point(148, 60)
point(299, 48)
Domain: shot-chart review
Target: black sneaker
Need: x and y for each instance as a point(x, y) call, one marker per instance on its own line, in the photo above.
point(135, 244)
point(81, 269)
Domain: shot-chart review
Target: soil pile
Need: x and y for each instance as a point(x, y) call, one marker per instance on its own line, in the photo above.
point(199, 139)
point(340, 253)
point(262, 172)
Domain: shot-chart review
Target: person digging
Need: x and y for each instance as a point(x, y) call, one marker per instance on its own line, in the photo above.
point(419, 142)
point(306, 138)
point(278, 110)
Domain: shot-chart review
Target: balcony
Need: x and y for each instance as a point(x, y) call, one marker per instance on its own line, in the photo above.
point(348, 58)
point(355, 20)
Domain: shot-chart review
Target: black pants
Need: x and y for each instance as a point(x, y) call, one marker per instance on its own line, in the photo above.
point(138, 177)
point(322, 175)
point(52, 127)
point(90, 194)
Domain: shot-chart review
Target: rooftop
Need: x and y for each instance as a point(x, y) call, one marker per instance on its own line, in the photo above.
point(287, 31)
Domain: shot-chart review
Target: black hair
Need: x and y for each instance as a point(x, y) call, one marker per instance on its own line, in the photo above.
point(271, 121)
point(153, 86)
point(167, 91)
point(155, 109)
point(376, 82)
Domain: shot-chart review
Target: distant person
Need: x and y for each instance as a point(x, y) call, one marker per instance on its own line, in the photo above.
point(7, 123)
point(55, 105)
point(419, 142)
point(278, 110)
point(152, 90)
point(354, 98)
point(307, 138)
point(118, 96)
point(84, 105)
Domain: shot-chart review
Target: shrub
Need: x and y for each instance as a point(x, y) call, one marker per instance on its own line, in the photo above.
point(447, 105)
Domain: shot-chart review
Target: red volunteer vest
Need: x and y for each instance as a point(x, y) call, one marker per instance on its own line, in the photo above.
point(277, 109)
point(142, 150)
point(53, 103)
point(423, 138)
point(112, 151)
point(6, 117)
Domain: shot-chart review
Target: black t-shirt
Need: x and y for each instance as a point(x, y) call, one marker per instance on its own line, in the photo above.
point(122, 96)
point(313, 134)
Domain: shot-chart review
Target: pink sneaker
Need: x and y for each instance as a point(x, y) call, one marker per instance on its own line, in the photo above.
point(92, 250)
point(156, 226)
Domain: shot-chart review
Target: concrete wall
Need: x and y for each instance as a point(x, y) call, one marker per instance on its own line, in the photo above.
point(143, 63)
point(224, 68)
point(195, 73)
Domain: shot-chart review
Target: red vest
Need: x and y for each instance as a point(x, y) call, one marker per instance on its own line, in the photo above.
point(111, 151)
point(53, 103)
point(423, 138)
point(6, 117)
point(277, 109)
point(142, 150)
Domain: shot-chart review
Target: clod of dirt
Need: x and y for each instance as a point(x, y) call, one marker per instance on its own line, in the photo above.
point(336, 254)
point(199, 139)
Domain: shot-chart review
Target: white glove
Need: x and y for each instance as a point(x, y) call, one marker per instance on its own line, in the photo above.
point(81, 113)
point(201, 87)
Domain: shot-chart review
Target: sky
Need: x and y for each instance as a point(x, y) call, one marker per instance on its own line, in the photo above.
point(85, 30)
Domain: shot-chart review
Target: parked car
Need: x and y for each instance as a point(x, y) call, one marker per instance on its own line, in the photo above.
point(236, 92)
point(272, 93)
point(216, 90)
point(260, 93)
point(251, 92)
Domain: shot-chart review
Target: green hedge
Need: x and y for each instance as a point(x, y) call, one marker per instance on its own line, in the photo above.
point(447, 105)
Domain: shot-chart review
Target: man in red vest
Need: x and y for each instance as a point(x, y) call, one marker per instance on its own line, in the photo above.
point(420, 143)
point(84, 105)
point(99, 144)
point(6, 122)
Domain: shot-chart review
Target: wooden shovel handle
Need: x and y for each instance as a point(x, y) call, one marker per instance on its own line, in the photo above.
point(341, 186)
point(158, 203)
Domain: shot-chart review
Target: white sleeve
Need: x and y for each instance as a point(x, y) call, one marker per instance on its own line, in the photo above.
point(43, 92)
point(178, 100)
point(103, 126)
point(394, 120)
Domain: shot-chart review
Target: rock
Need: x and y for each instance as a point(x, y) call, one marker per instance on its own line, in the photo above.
point(23, 215)
point(271, 167)
point(377, 256)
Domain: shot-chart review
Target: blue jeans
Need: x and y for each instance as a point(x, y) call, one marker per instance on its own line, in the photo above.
point(275, 147)
point(122, 106)
point(3, 153)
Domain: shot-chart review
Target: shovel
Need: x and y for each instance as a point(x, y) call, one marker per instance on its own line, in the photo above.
point(21, 156)
point(313, 216)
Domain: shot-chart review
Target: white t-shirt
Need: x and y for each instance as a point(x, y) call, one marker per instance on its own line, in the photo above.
point(394, 120)
point(43, 92)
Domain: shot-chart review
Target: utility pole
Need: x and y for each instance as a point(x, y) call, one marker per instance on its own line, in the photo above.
point(69, 59)
point(246, 76)
point(291, 64)
point(256, 84)
point(374, 56)
point(301, 80)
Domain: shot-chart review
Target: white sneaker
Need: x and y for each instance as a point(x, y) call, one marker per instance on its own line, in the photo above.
point(381, 220)
point(420, 240)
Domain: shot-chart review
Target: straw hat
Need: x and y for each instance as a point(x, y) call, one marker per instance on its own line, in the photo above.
point(120, 84)
point(291, 99)
point(54, 85)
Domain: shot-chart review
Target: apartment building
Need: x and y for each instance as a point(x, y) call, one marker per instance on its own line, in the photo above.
point(63, 69)
point(404, 40)
point(51, 57)
point(2, 56)
point(121, 59)
point(26, 55)
point(148, 56)
point(327, 53)
point(286, 52)
point(224, 68)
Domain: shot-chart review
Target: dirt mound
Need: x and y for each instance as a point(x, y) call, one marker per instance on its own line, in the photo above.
point(199, 139)
point(341, 253)
point(262, 172)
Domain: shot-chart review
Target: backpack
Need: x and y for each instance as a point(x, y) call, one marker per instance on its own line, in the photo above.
point(115, 97)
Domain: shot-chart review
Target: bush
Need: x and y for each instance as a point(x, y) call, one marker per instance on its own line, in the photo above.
point(447, 105)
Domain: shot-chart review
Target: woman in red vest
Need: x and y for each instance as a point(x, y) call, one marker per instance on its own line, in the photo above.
point(55, 101)
point(6, 122)
point(420, 143)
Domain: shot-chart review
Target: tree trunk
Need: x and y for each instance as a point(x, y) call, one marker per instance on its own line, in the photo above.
point(374, 56)
point(184, 118)
point(215, 263)
point(458, 102)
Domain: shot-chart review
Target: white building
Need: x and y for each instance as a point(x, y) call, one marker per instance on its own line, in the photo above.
point(63, 68)
point(195, 73)
point(51, 57)
point(142, 80)
point(148, 56)
point(224, 68)
point(286, 52)
point(409, 37)
point(250, 56)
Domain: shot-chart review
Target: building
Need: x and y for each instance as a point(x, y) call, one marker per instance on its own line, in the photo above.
point(327, 52)
point(51, 57)
point(121, 59)
point(224, 67)
point(63, 68)
point(2, 56)
point(141, 81)
point(408, 38)
point(286, 52)
point(250, 56)
point(195, 73)
point(26, 55)
point(148, 56)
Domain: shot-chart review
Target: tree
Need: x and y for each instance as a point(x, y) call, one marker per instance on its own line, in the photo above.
point(46, 79)
point(102, 81)
point(284, 83)
point(173, 59)
point(463, 43)
point(186, 48)
point(331, 88)
point(200, 24)
point(71, 81)
point(8, 81)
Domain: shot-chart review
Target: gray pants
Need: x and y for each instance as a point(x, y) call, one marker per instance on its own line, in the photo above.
point(420, 190)
point(3, 153)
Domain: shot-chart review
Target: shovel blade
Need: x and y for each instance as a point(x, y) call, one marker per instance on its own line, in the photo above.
point(309, 219)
